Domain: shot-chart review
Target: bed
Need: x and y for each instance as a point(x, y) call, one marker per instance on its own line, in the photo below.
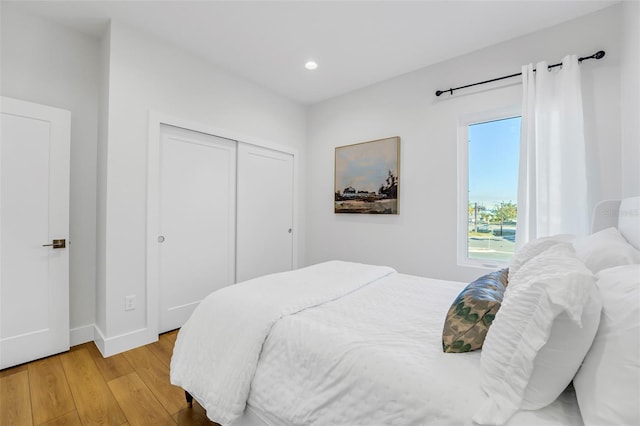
point(342, 343)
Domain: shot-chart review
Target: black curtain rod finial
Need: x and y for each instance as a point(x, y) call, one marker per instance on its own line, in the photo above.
point(598, 55)
point(440, 92)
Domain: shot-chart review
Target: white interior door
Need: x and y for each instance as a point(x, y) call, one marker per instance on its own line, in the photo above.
point(196, 234)
point(265, 212)
point(34, 279)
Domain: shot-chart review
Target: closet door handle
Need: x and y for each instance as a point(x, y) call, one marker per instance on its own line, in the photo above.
point(161, 238)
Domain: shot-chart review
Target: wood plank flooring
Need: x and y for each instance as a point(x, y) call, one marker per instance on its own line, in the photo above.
point(80, 387)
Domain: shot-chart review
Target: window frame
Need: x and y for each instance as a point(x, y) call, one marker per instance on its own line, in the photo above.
point(464, 121)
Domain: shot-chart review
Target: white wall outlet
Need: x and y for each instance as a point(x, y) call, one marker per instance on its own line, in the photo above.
point(130, 302)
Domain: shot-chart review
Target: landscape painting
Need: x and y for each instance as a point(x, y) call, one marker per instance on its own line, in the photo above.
point(367, 177)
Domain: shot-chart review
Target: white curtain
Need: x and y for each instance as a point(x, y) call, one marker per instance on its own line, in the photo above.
point(552, 183)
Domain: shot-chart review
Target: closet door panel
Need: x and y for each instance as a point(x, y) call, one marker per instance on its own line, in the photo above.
point(265, 212)
point(197, 222)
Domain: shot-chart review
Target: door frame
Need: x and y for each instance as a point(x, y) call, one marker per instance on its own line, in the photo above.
point(156, 120)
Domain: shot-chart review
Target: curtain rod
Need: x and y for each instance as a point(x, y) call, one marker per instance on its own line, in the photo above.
point(598, 55)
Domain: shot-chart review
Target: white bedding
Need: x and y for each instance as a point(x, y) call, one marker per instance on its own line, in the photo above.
point(217, 350)
point(367, 352)
point(375, 357)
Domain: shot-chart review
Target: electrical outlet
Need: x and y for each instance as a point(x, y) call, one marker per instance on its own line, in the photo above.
point(130, 302)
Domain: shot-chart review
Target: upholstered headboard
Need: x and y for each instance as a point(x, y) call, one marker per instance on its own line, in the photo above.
point(623, 214)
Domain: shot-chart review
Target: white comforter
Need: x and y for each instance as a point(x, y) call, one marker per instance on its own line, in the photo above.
point(374, 357)
point(217, 350)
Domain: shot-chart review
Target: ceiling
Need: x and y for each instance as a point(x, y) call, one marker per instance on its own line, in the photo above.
point(356, 43)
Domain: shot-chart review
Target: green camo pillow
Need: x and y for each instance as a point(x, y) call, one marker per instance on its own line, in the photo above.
point(473, 311)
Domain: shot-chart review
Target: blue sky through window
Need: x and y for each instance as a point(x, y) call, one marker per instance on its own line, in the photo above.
point(493, 161)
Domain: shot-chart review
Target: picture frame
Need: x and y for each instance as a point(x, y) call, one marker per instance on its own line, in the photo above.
point(367, 177)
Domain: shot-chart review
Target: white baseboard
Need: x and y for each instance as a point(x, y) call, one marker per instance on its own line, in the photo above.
point(116, 344)
point(98, 337)
point(80, 335)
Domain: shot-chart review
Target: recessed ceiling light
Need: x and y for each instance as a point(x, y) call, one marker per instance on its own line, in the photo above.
point(311, 65)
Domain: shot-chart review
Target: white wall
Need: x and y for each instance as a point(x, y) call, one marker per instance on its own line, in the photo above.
point(630, 89)
point(132, 74)
point(422, 239)
point(147, 75)
point(48, 64)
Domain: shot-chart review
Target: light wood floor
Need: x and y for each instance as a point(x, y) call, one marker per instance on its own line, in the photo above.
point(80, 387)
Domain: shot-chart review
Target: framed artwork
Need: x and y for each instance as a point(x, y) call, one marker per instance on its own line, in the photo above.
point(367, 177)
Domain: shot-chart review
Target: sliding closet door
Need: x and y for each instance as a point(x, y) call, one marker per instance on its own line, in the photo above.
point(265, 212)
point(196, 220)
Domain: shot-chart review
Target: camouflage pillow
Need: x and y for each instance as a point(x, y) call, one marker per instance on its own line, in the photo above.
point(472, 313)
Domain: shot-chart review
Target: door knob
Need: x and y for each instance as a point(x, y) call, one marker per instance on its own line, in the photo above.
point(56, 244)
point(161, 238)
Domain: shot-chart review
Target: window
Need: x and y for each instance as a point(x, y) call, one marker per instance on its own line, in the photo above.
point(488, 188)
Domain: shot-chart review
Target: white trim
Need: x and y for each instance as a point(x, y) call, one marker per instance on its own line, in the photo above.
point(463, 181)
point(98, 338)
point(124, 342)
point(296, 228)
point(156, 119)
point(153, 196)
point(80, 335)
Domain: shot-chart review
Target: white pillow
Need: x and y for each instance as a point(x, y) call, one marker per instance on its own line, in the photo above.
point(542, 321)
point(605, 249)
point(559, 359)
point(534, 248)
point(608, 383)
